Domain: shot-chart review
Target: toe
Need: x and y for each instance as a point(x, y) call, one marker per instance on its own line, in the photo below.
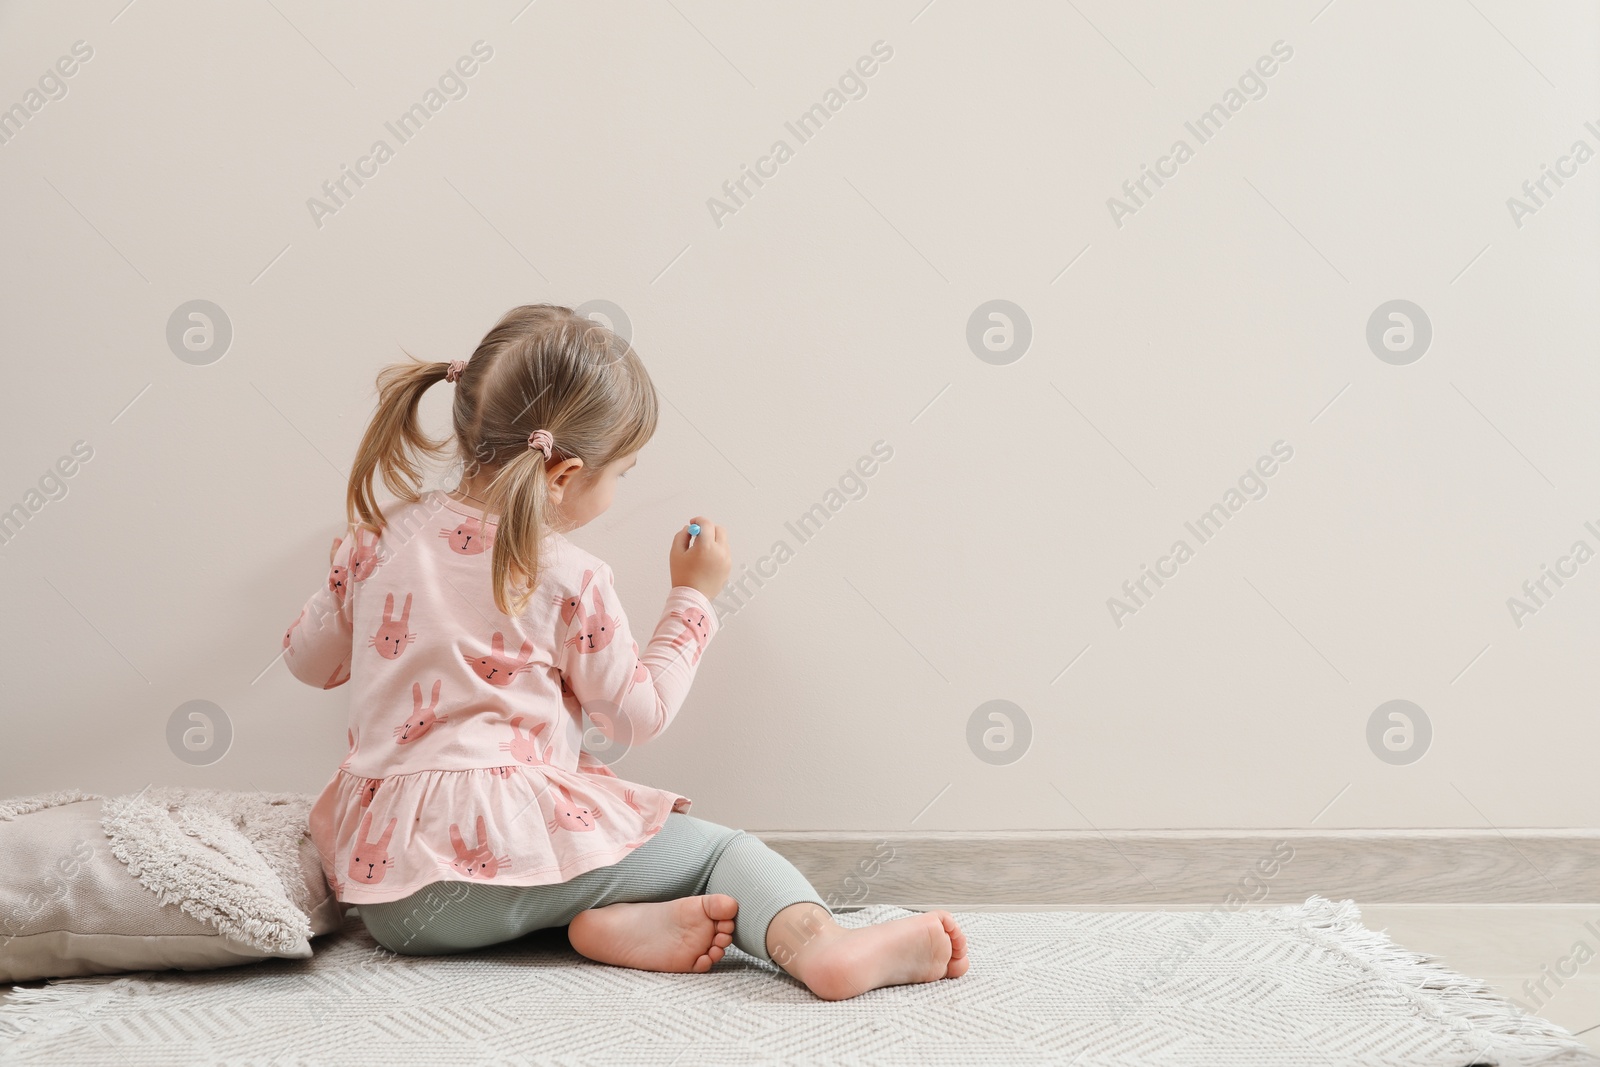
point(958, 938)
point(722, 940)
point(958, 963)
point(720, 907)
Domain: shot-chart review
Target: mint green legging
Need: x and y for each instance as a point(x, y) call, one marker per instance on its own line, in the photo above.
point(686, 858)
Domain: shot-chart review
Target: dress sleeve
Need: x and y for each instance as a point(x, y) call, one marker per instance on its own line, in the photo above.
point(631, 697)
point(317, 644)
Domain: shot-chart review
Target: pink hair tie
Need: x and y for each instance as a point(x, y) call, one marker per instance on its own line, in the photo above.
point(541, 440)
point(454, 372)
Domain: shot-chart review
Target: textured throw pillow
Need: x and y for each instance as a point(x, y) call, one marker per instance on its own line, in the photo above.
point(167, 878)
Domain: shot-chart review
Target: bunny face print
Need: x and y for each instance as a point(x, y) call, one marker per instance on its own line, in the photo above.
point(469, 538)
point(364, 558)
point(695, 628)
point(597, 629)
point(525, 749)
point(392, 638)
point(422, 719)
point(370, 860)
point(569, 814)
point(479, 864)
point(497, 668)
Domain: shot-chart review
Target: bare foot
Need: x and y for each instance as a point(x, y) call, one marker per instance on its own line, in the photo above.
point(681, 936)
point(837, 964)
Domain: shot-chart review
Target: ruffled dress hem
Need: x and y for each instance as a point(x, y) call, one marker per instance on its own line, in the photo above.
point(515, 824)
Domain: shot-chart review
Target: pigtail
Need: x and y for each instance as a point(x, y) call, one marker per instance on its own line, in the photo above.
point(394, 441)
point(522, 494)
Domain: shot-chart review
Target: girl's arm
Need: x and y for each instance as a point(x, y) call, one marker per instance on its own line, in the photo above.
point(317, 644)
point(632, 697)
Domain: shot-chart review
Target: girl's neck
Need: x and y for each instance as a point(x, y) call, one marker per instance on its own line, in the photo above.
point(473, 488)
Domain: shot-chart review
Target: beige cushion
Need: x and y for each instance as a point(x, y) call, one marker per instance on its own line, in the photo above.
point(205, 879)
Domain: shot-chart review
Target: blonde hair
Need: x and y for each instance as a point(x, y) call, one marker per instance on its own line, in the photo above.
point(542, 367)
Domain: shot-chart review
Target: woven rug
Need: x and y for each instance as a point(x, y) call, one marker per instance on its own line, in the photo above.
point(1276, 987)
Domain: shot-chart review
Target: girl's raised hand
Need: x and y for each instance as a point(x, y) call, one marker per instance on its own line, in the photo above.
point(705, 566)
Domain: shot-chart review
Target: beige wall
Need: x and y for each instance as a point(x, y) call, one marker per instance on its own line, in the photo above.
point(1172, 346)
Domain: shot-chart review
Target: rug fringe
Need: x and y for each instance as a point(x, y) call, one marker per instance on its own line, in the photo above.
point(1467, 1005)
point(29, 1012)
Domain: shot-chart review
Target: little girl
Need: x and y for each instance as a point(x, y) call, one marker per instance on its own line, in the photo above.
point(475, 637)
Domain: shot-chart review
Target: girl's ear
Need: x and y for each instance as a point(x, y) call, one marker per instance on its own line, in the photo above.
point(562, 477)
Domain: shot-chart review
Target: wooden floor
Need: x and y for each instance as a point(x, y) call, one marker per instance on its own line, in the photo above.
point(1511, 946)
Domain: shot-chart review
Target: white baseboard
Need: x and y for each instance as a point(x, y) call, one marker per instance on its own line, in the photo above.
point(1195, 868)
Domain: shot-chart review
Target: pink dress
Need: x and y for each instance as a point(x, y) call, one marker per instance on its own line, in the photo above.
point(466, 724)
